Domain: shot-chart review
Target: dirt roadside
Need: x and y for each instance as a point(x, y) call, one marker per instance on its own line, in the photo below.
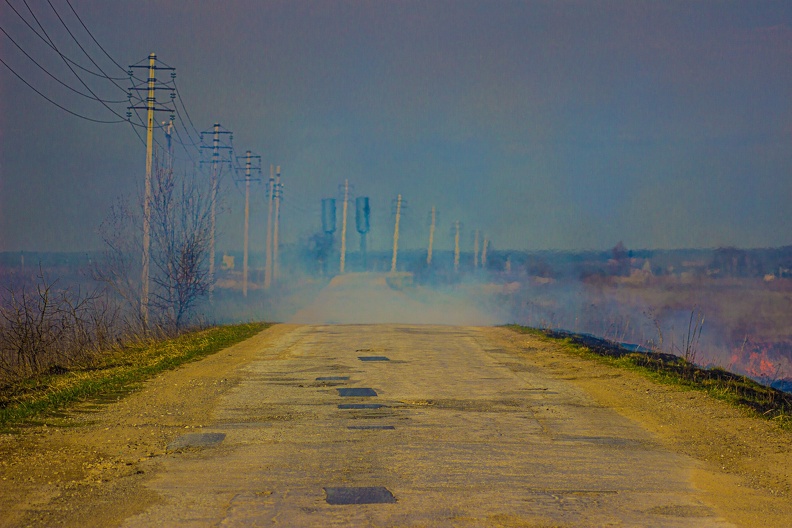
point(745, 462)
point(89, 467)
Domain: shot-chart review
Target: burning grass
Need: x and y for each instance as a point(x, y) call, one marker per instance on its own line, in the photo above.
point(742, 391)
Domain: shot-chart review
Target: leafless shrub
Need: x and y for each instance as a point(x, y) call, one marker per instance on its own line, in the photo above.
point(179, 252)
point(47, 326)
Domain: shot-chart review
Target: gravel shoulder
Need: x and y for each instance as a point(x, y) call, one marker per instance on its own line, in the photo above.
point(745, 461)
point(93, 462)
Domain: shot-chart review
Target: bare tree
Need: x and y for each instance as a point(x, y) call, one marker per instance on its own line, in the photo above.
point(180, 228)
point(180, 233)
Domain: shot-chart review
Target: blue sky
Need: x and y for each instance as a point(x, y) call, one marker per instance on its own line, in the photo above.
point(547, 125)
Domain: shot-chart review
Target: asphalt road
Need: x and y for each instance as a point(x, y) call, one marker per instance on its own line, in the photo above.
point(446, 429)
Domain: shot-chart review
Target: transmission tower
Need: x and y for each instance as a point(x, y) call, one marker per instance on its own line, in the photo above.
point(216, 132)
point(150, 86)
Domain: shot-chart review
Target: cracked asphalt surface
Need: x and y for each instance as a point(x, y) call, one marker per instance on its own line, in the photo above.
point(459, 426)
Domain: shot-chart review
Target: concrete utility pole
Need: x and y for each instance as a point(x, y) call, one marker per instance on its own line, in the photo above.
point(362, 222)
point(275, 249)
point(396, 234)
point(456, 246)
point(248, 165)
point(484, 253)
point(431, 237)
point(344, 226)
point(268, 250)
point(150, 107)
point(168, 137)
point(476, 250)
point(216, 162)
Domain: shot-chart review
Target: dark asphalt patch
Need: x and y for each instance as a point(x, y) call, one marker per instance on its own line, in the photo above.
point(373, 358)
point(360, 405)
point(356, 391)
point(370, 427)
point(196, 440)
point(332, 378)
point(361, 495)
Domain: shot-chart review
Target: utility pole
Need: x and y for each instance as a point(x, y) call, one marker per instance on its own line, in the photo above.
point(343, 226)
point(168, 136)
point(151, 86)
point(268, 250)
point(484, 253)
point(431, 237)
point(396, 234)
point(456, 246)
point(362, 222)
point(476, 250)
point(275, 250)
point(216, 162)
point(248, 165)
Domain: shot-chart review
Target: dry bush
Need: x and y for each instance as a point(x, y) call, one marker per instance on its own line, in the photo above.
point(44, 327)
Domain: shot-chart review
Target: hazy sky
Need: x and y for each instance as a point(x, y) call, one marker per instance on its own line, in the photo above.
point(548, 125)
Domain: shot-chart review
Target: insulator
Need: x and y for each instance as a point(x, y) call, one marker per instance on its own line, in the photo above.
point(129, 115)
point(173, 75)
point(173, 95)
point(130, 73)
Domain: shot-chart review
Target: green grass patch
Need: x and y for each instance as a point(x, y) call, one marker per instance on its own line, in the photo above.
point(116, 372)
point(735, 389)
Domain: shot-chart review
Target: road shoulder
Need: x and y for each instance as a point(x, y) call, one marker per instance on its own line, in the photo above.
point(93, 463)
point(744, 462)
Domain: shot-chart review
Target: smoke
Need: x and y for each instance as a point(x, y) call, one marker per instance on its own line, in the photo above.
point(371, 298)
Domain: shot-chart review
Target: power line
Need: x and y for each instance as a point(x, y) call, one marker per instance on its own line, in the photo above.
point(94, 38)
point(51, 46)
point(78, 43)
point(181, 100)
point(69, 66)
point(53, 102)
point(50, 74)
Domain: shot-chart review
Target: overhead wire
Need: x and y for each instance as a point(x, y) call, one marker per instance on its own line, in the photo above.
point(53, 102)
point(78, 44)
point(51, 46)
point(94, 38)
point(69, 66)
point(34, 61)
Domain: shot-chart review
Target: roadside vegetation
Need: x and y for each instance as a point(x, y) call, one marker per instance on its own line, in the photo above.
point(735, 389)
point(114, 372)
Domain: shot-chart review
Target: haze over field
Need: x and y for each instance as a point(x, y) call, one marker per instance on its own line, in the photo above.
point(548, 125)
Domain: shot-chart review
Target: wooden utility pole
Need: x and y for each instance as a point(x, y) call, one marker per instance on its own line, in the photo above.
point(396, 234)
point(431, 237)
point(344, 226)
point(456, 246)
point(268, 250)
point(275, 249)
